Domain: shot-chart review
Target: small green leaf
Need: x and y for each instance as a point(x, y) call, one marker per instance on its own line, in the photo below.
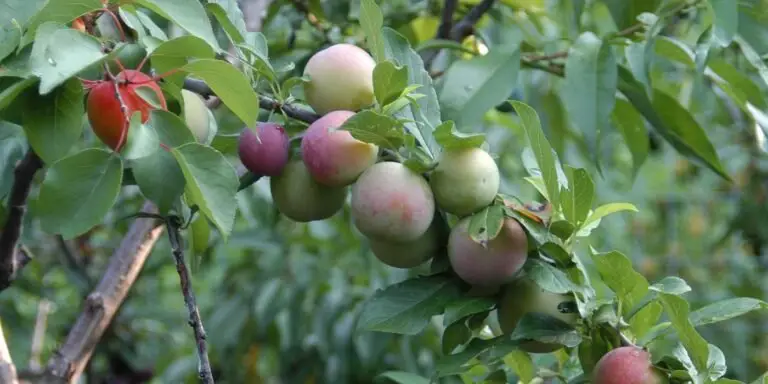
point(407, 307)
point(616, 271)
point(672, 285)
point(455, 335)
point(677, 310)
point(12, 149)
point(15, 91)
point(522, 364)
point(10, 36)
point(229, 15)
point(372, 127)
point(465, 306)
point(577, 199)
point(175, 53)
point(230, 85)
point(546, 329)
point(149, 95)
point(726, 20)
point(725, 310)
point(542, 151)
point(154, 30)
point(54, 122)
point(372, 22)
point(549, 278)
point(590, 87)
point(171, 129)
point(59, 11)
point(159, 178)
point(389, 81)
point(78, 191)
point(142, 141)
point(400, 377)
point(190, 16)
point(291, 83)
point(200, 234)
point(211, 183)
point(472, 87)
point(449, 137)
point(485, 225)
point(632, 128)
point(607, 209)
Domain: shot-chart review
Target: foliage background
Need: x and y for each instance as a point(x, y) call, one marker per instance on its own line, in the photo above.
point(279, 301)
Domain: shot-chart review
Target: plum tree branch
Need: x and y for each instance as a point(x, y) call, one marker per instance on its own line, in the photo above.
point(444, 30)
point(265, 102)
point(467, 23)
point(68, 362)
point(174, 236)
point(7, 368)
point(11, 258)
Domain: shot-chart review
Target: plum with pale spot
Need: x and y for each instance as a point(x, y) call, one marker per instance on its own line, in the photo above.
point(332, 156)
point(391, 202)
point(302, 199)
point(340, 78)
point(627, 365)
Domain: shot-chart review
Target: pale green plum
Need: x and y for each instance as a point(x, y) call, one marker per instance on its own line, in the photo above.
point(340, 78)
point(301, 198)
point(465, 180)
point(410, 254)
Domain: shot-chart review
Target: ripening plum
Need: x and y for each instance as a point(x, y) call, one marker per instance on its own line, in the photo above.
point(333, 156)
point(627, 365)
point(196, 115)
point(465, 180)
point(523, 296)
point(340, 78)
point(493, 265)
point(391, 202)
point(265, 154)
point(410, 254)
point(300, 198)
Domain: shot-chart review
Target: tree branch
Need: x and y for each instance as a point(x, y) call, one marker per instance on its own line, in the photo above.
point(444, 30)
point(38, 336)
point(7, 369)
point(265, 102)
point(174, 236)
point(69, 361)
point(464, 27)
point(12, 260)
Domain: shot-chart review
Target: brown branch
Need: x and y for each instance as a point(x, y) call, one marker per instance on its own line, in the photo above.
point(467, 23)
point(174, 236)
point(7, 369)
point(11, 259)
point(69, 361)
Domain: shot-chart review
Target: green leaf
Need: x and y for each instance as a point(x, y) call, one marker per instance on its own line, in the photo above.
point(78, 191)
point(472, 87)
point(19, 12)
point(400, 377)
point(449, 137)
point(549, 278)
point(389, 81)
point(54, 122)
point(455, 335)
point(211, 183)
point(160, 179)
point(148, 94)
point(12, 149)
point(372, 127)
point(522, 364)
point(59, 11)
point(444, 44)
point(199, 236)
point(465, 306)
point(577, 199)
point(154, 30)
point(190, 16)
point(171, 129)
point(372, 21)
point(677, 310)
point(9, 39)
point(230, 85)
point(407, 307)
point(174, 54)
point(426, 110)
point(725, 310)
point(485, 225)
point(616, 271)
point(645, 318)
point(546, 329)
point(745, 89)
point(716, 366)
point(542, 151)
point(675, 50)
point(672, 285)
point(59, 53)
point(607, 209)
point(229, 15)
point(590, 86)
point(142, 140)
point(726, 20)
point(632, 128)
point(13, 92)
point(128, 15)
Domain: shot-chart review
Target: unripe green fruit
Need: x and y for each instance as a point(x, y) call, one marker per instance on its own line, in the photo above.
point(391, 202)
point(340, 78)
point(627, 365)
point(493, 265)
point(301, 198)
point(523, 296)
point(465, 181)
point(332, 156)
point(196, 115)
point(411, 254)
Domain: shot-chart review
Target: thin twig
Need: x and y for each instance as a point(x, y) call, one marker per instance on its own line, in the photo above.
point(467, 23)
point(68, 362)
point(11, 260)
point(38, 335)
point(174, 236)
point(7, 369)
point(444, 30)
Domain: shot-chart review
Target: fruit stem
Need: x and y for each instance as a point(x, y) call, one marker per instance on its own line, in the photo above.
point(123, 110)
point(156, 78)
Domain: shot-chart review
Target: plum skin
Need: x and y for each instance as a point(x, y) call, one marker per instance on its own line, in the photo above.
point(465, 180)
point(525, 295)
point(490, 266)
point(297, 196)
point(333, 156)
point(340, 78)
point(264, 152)
point(627, 365)
point(411, 254)
point(391, 202)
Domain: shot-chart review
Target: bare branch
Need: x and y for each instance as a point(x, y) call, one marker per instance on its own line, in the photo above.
point(69, 361)
point(12, 260)
point(38, 336)
point(7, 369)
point(464, 27)
point(174, 236)
point(444, 30)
